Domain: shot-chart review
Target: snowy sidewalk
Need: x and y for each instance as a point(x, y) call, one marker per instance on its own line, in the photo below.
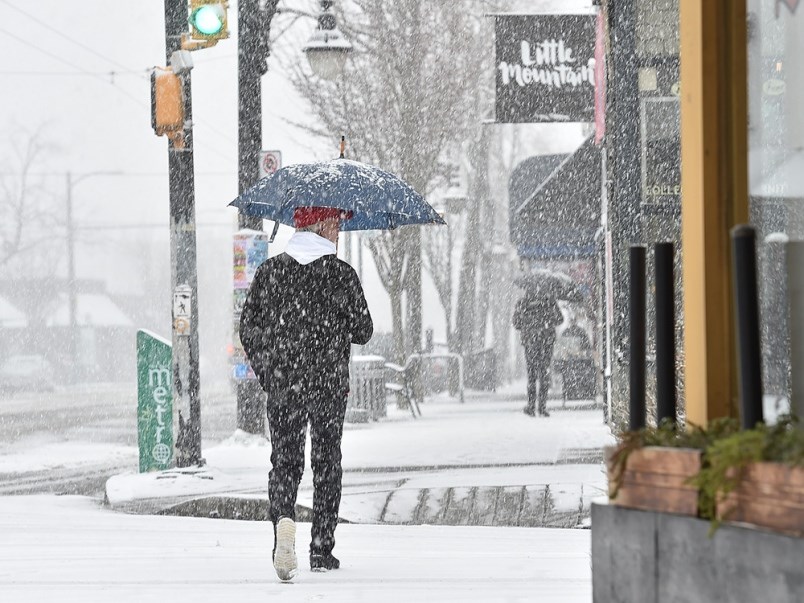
point(70, 549)
point(401, 470)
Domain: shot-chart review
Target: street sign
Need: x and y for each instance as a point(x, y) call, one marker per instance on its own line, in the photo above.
point(154, 402)
point(182, 298)
point(270, 161)
point(545, 68)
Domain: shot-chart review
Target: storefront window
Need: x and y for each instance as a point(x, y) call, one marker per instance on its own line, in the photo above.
point(776, 169)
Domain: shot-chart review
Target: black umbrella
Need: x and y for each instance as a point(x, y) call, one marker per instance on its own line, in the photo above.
point(550, 283)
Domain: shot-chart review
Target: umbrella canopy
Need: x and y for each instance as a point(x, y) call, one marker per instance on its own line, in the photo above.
point(377, 199)
point(550, 283)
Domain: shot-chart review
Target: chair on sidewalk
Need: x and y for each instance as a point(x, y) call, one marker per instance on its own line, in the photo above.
point(401, 386)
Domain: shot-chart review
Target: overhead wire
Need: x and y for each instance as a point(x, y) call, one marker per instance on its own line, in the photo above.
point(100, 75)
point(71, 64)
point(57, 31)
point(111, 74)
point(122, 91)
point(117, 175)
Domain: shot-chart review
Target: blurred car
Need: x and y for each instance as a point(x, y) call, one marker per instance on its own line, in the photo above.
point(26, 373)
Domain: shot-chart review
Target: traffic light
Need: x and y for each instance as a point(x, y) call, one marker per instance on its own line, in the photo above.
point(208, 24)
point(167, 105)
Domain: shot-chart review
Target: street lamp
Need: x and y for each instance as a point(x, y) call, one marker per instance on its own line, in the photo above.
point(327, 49)
point(72, 294)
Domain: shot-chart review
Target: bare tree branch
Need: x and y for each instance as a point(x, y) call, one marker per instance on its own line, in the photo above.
point(23, 209)
point(411, 89)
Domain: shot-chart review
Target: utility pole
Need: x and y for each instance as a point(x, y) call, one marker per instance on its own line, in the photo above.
point(625, 203)
point(72, 295)
point(184, 277)
point(253, 48)
point(72, 285)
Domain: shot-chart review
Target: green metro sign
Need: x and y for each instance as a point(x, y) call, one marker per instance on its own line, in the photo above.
point(154, 402)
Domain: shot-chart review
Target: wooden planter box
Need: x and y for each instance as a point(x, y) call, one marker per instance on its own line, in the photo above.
point(656, 479)
point(770, 495)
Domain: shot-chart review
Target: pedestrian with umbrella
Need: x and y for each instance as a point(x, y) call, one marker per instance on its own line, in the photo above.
point(536, 317)
point(302, 312)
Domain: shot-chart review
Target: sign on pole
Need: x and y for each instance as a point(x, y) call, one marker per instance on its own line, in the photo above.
point(250, 250)
point(182, 298)
point(154, 402)
point(545, 68)
point(270, 161)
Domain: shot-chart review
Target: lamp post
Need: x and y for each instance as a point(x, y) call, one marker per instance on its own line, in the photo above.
point(327, 51)
point(72, 293)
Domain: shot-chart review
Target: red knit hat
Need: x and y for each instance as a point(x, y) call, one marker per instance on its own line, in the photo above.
point(306, 216)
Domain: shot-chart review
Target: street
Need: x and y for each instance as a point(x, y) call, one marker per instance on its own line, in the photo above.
point(71, 440)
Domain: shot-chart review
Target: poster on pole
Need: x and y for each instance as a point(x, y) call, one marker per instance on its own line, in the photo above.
point(545, 68)
point(250, 250)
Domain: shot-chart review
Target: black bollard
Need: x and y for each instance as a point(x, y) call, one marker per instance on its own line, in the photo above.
point(637, 339)
point(746, 304)
point(665, 333)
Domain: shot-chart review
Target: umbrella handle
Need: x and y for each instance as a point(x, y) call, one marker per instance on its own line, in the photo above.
point(275, 230)
point(343, 146)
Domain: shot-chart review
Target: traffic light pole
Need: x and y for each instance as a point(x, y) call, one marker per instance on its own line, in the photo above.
point(253, 46)
point(184, 277)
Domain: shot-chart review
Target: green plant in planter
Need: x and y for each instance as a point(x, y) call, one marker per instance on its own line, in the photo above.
point(666, 434)
point(726, 453)
point(726, 459)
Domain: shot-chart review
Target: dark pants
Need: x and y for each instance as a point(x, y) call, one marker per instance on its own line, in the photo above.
point(288, 415)
point(538, 354)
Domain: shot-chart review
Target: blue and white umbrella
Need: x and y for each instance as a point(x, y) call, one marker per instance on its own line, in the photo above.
point(377, 199)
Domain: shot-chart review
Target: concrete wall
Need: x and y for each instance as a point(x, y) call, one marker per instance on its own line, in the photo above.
point(644, 557)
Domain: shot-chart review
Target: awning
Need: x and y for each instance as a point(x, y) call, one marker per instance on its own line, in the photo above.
point(560, 215)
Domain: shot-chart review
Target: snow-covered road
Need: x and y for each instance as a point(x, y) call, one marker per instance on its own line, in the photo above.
point(71, 440)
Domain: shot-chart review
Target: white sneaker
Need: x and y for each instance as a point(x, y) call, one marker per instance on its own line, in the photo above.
point(285, 562)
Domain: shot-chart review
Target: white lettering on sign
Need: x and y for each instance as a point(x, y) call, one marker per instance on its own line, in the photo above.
point(548, 63)
point(159, 375)
point(159, 395)
point(662, 189)
point(159, 380)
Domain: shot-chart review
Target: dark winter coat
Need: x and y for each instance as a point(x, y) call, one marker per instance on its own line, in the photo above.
point(536, 317)
point(299, 321)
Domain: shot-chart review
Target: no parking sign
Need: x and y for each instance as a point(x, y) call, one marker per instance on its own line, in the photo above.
point(270, 161)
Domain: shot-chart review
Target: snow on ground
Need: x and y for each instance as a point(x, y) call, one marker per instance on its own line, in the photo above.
point(479, 443)
point(56, 455)
point(69, 549)
point(477, 432)
point(447, 434)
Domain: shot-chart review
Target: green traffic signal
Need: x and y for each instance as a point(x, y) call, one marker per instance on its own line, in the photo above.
point(209, 19)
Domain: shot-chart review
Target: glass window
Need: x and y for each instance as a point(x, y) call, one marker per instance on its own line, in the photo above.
point(776, 170)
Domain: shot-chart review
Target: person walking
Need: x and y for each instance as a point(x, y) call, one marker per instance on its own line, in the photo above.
point(302, 312)
point(536, 317)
